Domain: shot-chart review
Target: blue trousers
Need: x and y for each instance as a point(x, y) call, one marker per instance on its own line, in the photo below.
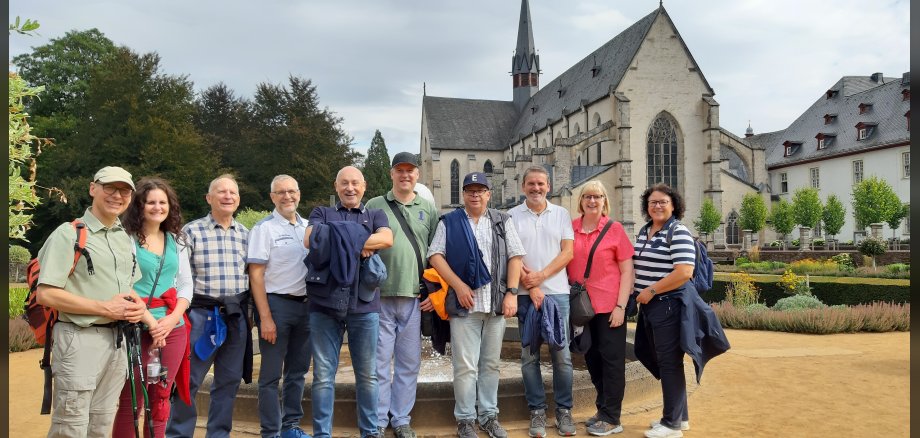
point(662, 318)
point(228, 372)
point(562, 364)
point(291, 354)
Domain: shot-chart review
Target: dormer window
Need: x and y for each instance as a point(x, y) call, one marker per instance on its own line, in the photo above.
point(905, 94)
point(864, 107)
point(832, 93)
point(595, 70)
point(560, 92)
point(864, 130)
point(830, 118)
point(825, 140)
point(791, 147)
point(533, 109)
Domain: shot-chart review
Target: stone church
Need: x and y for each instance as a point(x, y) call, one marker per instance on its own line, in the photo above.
point(634, 112)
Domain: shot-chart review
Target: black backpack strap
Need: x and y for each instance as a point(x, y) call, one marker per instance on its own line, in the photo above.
point(45, 365)
point(409, 235)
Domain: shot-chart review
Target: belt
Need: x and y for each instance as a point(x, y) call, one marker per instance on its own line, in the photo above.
point(298, 298)
point(112, 324)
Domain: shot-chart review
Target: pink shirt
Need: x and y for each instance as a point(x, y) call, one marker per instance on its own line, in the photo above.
point(604, 283)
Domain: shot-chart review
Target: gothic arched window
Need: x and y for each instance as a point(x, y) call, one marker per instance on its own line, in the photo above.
point(487, 167)
point(597, 120)
point(454, 182)
point(662, 152)
point(732, 230)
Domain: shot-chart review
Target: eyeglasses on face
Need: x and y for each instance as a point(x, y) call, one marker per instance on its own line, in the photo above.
point(592, 197)
point(110, 189)
point(286, 192)
point(659, 203)
point(475, 193)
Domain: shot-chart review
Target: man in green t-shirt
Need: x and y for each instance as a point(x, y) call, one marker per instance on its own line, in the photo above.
point(398, 342)
point(88, 369)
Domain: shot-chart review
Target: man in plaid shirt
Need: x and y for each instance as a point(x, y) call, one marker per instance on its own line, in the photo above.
point(218, 260)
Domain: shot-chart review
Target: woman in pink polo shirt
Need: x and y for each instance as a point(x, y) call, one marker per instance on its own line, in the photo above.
point(609, 284)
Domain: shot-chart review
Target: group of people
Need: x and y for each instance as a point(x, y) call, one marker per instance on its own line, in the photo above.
point(357, 268)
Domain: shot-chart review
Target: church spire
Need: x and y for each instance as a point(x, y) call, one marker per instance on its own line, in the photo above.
point(525, 64)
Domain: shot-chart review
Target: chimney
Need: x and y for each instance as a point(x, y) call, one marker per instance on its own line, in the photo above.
point(905, 78)
point(877, 77)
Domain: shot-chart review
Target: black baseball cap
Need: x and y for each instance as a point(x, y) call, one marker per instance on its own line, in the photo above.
point(405, 157)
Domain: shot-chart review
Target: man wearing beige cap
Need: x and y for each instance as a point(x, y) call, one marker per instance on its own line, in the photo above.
point(88, 364)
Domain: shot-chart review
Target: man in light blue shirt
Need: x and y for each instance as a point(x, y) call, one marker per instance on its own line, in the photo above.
point(277, 276)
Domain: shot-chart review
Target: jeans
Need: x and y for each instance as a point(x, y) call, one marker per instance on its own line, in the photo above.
point(290, 353)
point(228, 372)
point(562, 363)
point(326, 333)
point(476, 345)
point(399, 349)
point(170, 357)
point(606, 361)
point(662, 318)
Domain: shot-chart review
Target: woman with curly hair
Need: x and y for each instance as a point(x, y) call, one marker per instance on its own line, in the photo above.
point(154, 220)
point(673, 319)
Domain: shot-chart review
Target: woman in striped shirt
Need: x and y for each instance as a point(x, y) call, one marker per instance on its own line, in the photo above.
point(662, 269)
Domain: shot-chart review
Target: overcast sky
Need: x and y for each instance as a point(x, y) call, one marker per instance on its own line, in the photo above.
point(767, 60)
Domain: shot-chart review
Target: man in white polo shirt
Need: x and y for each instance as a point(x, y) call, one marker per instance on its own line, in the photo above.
point(277, 276)
point(546, 232)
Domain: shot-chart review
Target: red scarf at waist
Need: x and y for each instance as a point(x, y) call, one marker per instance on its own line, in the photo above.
point(170, 299)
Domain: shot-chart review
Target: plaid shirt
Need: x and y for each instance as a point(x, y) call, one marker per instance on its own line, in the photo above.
point(218, 257)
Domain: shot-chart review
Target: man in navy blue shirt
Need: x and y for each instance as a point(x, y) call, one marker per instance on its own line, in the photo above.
point(361, 320)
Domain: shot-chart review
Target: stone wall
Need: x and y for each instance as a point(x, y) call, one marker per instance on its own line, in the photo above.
point(789, 256)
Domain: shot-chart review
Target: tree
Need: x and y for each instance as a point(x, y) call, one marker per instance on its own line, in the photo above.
point(781, 218)
point(136, 117)
point(874, 201)
point(753, 213)
point(806, 207)
point(290, 134)
point(895, 220)
point(834, 215)
point(377, 168)
point(710, 218)
point(22, 196)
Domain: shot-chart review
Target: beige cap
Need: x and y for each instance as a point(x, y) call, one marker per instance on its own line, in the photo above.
point(110, 174)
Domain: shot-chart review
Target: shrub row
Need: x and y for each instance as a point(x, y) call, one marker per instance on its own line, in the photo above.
point(876, 317)
point(831, 293)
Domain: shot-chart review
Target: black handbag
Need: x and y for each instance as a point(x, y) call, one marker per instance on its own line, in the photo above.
point(580, 309)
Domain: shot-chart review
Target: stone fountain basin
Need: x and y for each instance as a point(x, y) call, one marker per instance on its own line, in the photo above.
point(435, 399)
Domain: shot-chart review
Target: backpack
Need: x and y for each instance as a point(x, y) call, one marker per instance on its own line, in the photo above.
point(703, 267)
point(41, 319)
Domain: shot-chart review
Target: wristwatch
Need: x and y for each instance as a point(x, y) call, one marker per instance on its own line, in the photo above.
point(512, 290)
point(653, 291)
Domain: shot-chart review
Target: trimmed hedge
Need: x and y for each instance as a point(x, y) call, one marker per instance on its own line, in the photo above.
point(829, 292)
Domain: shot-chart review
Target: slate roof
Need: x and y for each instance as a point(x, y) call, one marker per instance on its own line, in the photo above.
point(887, 112)
point(468, 124)
point(581, 174)
point(577, 82)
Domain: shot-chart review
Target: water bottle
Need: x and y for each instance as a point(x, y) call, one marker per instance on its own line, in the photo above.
point(153, 366)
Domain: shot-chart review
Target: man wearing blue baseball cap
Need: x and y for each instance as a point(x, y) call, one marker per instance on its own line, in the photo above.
point(478, 251)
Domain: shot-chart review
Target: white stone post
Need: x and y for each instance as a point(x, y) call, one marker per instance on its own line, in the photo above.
point(876, 230)
point(804, 238)
point(746, 241)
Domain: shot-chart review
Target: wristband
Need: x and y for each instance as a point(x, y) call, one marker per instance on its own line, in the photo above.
point(621, 307)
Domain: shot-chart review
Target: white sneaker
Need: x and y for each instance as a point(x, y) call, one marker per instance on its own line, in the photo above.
point(684, 425)
point(661, 431)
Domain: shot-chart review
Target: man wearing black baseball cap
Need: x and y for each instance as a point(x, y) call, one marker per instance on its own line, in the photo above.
point(413, 220)
point(478, 251)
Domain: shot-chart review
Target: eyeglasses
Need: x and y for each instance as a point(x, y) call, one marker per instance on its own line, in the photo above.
point(475, 193)
point(287, 192)
point(110, 189)
point(592, 197)
point(659, 203)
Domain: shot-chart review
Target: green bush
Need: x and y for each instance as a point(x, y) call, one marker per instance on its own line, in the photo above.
point(19, 254)
point(829, 292)
point(17, 300)
point(844, 262)
point(871, 247)
point(742, 260)
point(798, 302)
point(248, 217)
point(895, 268)
point(876, 317)
point(756, 307)
point(818, 242)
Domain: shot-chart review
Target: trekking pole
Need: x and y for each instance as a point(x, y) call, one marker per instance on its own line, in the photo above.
point(129, 349)
point(148, 418)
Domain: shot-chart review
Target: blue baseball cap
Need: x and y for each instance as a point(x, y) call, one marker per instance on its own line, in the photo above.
point(476, 178)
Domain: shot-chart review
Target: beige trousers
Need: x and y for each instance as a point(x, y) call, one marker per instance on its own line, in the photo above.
point(88, 374)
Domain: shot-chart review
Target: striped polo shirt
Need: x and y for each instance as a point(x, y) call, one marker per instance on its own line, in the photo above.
point(653, 258)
